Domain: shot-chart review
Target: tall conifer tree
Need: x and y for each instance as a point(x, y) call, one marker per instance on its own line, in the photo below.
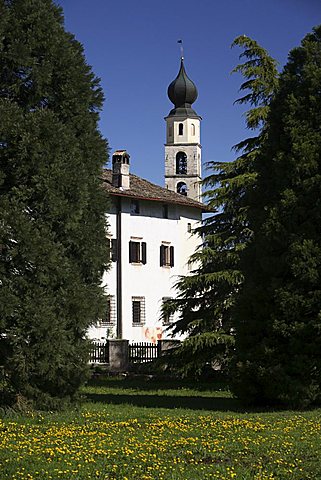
point(206, 298)
point(52, 207)
point(278, 316)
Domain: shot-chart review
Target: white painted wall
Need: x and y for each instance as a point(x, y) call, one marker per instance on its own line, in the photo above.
point(151, 280)
point(190, 134)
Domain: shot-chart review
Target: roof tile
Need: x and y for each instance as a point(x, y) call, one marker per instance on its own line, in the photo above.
point(143, 189)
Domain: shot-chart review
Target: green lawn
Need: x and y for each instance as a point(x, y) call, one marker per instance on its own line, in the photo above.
point(129, 429)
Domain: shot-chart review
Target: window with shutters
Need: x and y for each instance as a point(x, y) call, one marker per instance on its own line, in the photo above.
point(109, 317)
point(166, 255)
point(138, 310)
point(137, 252)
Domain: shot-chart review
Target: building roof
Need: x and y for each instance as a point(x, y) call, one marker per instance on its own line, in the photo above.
point(145, 190)
point(120, 151)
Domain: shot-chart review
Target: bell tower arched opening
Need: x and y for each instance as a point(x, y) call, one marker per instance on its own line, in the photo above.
point(181, 163)
point(181, 188)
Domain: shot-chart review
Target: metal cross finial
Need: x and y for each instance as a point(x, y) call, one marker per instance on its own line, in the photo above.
point(181, 47)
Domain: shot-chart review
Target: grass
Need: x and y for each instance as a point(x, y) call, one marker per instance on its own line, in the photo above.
point(148, 430)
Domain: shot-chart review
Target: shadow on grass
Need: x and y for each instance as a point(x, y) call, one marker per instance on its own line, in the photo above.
point(149, 384)
point(167, 401)
point(146, 391)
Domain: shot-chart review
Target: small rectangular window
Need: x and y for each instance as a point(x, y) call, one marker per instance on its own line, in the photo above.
point(109, 318)
point(165, 211)
point(189, 227)
point(137, 252)
point(113, 249)
point(134, 207)
point(167, 317)
point(138, 310)
point(166, 256)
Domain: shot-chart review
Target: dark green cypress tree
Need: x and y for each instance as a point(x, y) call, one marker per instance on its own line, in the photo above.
point(52, 208)
point(278, 316)
point(206, 298)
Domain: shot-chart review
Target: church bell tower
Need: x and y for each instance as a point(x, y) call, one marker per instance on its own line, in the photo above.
point(183, 148)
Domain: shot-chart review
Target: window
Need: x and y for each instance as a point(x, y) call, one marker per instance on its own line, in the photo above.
point(193, 129)
point(165, 211)
point(134, 207)
point(166, 256)
point(138, 310)
point(180, 129)
point(166, 316)
point(189, 266)
point(189, 227)
point(109, 318)
point(181, 188)
point(181, 163)
point(170, 131)
point(113, 249)
point(137, 252)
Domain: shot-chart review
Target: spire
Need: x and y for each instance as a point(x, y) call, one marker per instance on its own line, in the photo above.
point(182, 92)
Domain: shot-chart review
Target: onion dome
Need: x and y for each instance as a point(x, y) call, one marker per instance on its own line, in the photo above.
point(182, 92)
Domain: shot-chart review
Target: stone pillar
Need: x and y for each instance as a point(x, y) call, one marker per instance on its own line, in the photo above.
point(118, 355)
point(165, 345)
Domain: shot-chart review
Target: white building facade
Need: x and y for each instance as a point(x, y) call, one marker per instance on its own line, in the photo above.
point(151, 227)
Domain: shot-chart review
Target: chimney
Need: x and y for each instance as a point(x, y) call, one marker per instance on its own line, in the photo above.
point(121, 169)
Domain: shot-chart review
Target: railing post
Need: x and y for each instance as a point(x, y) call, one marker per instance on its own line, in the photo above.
point(165, 345)
point(118, 355)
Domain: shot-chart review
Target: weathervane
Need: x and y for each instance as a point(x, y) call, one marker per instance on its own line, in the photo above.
point(181, 47)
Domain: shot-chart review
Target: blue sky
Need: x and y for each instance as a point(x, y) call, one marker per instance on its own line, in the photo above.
point(132, 46)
